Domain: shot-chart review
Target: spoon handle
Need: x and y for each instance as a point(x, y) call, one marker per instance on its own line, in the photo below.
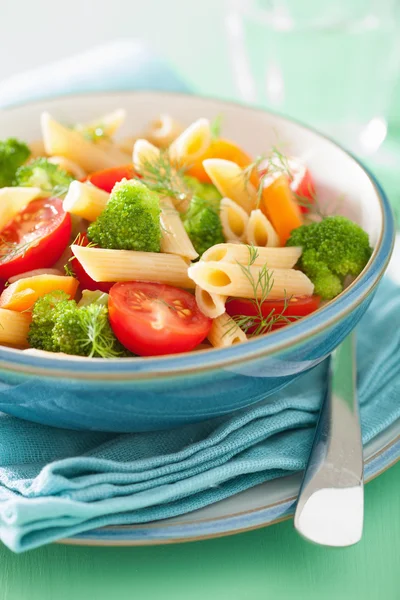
point(330, 506)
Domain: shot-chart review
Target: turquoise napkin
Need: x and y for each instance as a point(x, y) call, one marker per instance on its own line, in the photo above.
point(56, 483)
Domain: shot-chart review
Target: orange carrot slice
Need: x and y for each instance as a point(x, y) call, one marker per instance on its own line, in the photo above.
point(279, 205)
point(227, 150)
point(22, 294)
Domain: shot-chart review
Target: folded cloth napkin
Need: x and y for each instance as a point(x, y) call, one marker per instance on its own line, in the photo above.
point(56, 483)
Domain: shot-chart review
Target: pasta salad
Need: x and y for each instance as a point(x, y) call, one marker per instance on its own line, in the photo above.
point(173, 241)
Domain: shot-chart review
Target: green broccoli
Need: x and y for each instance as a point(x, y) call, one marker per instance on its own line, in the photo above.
point(60, 325)
point(13, 154)
point(205, 191)
point(43, 174)
point(130, 221)
point(44, 314)
point(203, 225)
point(332, 249)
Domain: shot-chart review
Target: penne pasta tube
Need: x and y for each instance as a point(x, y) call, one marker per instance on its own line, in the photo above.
point(279, 258)
point(15, 199)
point(259, 231)
point(211, 305)
point(61, 141)
point(143, 154)
point(85, 200)
point(163, 131)
point(14, 328)
point(109, 123)
point(231, 279)
point(174, 239)
point(225, 332)
point(230, 180)
point(127, 265)
point(68, 165)
point(233, 219)
point(191, 143)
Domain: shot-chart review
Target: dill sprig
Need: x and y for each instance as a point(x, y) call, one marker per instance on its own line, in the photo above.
point(11, 250)
point(97, 336)
point(261, 287)
point(278, 163)
point(162, 176)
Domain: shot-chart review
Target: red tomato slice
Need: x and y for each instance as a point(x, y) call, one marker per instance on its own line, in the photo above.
point(297, 306)
point(85, 281)
point(151, 319)
point(35, 238)
point(107, 178)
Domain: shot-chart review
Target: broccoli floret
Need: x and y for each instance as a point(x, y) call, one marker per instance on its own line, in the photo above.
point(130, 221)
point(203, 225)
point(205, 191)
point(43, 320)
point(13, 154)
point(43, 174)
point(60, 325)
point(332, 249)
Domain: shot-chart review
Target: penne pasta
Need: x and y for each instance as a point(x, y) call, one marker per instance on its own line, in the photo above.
point(127, 265)
point(15, 199)
point(230, 180)
point(14, 328)
point(211, 305)
point(234, 220)
point(163, 131)
point(85, 200)
point(231, 279)
point(174, 239)
point(225, 332)
point(191, 143)
point(68, 165)
point(109, 123)
point(279, 258)
point(61, 141)
point(259, 231)
point(143, 154)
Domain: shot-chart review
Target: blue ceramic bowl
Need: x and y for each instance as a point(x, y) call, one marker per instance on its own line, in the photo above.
point(156, 393)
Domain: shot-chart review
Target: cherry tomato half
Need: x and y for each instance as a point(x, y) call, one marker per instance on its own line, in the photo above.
point(296, 306)
point(35, 238)
point(151, 319)
point(107, 178)
point(85, 281)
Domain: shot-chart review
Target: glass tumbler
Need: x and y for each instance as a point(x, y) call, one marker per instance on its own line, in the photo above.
point(331, 64)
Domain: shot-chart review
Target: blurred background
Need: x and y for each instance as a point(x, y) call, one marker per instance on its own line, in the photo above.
point(331, 64)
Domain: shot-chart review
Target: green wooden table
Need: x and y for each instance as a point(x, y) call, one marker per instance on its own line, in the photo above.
point(268, 563)
point(271, 563)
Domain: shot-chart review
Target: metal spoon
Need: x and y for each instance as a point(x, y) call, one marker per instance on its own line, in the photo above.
point(330, 506)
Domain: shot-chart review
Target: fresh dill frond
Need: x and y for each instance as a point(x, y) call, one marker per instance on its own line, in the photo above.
point(216, 126)
point(97, 335)
point(11, 250)
point(162, 176)
point(262, 285)
point(68, 269)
